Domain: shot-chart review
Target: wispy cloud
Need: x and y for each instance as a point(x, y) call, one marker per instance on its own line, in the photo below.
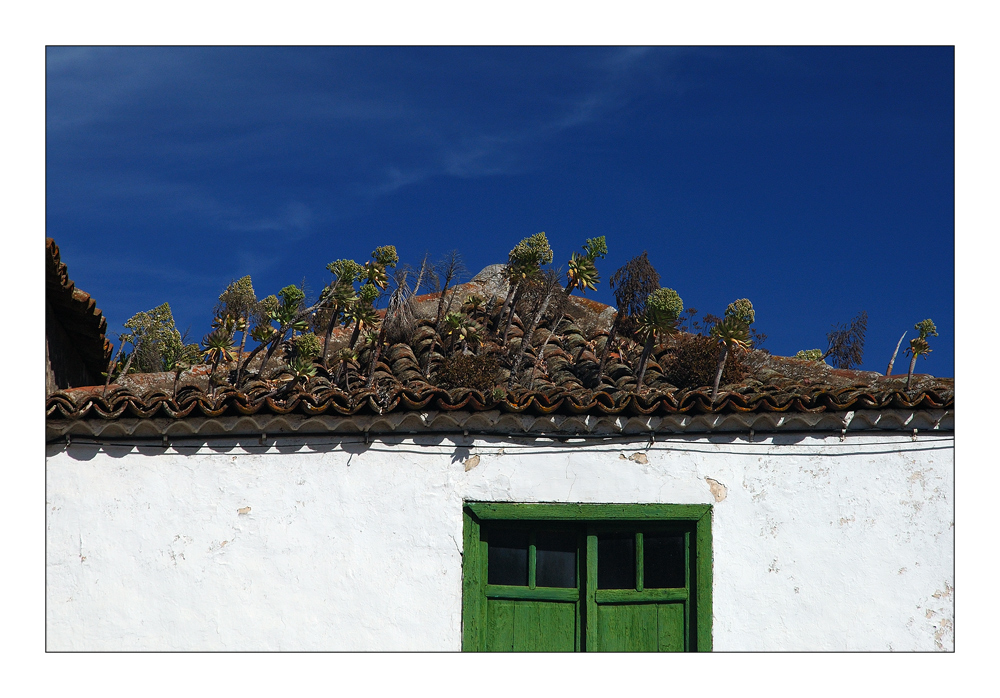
point(199, 136)
point(294, 223)
point(499, 152)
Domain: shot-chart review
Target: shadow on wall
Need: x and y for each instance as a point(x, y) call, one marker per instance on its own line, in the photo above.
point(460, 447)
point(353, 444)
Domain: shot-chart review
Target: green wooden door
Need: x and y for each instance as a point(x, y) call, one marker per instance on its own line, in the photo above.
point(638, 587)
point(530, 626)
point(533, 594)
point(556, 583)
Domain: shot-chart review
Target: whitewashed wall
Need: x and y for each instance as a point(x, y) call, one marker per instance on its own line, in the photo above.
point(819, 544)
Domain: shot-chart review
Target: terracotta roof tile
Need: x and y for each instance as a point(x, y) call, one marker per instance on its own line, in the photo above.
point(564, 384)
point(77, 312)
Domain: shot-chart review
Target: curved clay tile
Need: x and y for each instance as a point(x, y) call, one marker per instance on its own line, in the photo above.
point(564, 383)
point(172, 410)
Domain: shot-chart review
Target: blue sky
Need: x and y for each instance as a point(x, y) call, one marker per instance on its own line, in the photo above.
point(818, 182)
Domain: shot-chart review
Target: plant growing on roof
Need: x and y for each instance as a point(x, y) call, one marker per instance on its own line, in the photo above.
point(239, 302)
point(399, 322)
point(545, 287)
point(809, 355)
point(400, 312)
point(262, 331)
point(119, 365)
point(582, 272)
point(632, 284)
point(188, 357)
point(339, 295)
point(305, 349)
point(732, 334)
point(919, 346)
point(383, 258)
point(155, 341)
point(290, 315)
point(691, 361)
point(344, 358)
point(473, 305)
point(386, 256)
point(218, 345)
point(299, 369)
point(443, 276)
point(847, 342)
point(742, 310)
point(663, 307)
point(892, 359)
point(362, 311)
point(477, 371)
point(524, 262)
point(461, 329)
point(306, 346)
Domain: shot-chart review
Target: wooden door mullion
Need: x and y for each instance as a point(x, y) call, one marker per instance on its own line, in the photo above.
point(639, 570)
point(593, 644)
point(690, 592)
point(531, 559)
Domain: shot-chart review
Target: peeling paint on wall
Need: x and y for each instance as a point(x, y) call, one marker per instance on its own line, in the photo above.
point(944, 635)
point(948, 588)
point(718, 490)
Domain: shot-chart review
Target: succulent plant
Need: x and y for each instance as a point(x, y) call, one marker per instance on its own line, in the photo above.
point(596, 248)
point(262, 333)
point(344, 357)
point(662, 309)
point(291, 296)
point(462, 329)
point(340, 294)
point(375, 275)
point(524, 262)
point(346, 270)
point(733, 335)
point(386, 256)
point(217, 346)
point(919, 345)
point(809, 355)
point(742, 310)
point(307, 346)
point(267, 306)
point(154, 339)
point(300, 369)
point(473, 304)
point(664, 304)
point(926, 328)
point(582, 273)
point(368, 294)
point(533, 250)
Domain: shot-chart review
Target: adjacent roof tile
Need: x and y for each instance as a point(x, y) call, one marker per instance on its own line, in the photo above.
point(568, 364)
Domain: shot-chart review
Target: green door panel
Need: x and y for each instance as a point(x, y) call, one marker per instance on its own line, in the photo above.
point(530, 626)
point(499, 625)
point(627, 628)
point(670, 621)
